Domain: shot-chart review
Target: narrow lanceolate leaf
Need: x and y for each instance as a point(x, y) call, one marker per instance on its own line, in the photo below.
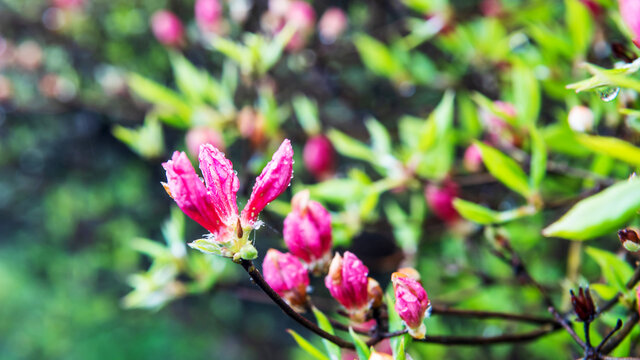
point(474, 212)
point(610, 146)
point(538, 158)
point(399, 354)
point(332, 349)
point(307, 347)
point(598, 214)
point(505, 169)
point(361, 348)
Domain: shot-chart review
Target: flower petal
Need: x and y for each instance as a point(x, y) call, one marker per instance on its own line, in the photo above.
point(221, 181)
point(273, 180)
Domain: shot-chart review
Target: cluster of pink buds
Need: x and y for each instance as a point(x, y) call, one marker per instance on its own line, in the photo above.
point(167, 28)
point(319, 157)
point(412, 303)
point(630, 10)
point(288, 277)
point(199, 136)
point(213, 204)
point(307, 232)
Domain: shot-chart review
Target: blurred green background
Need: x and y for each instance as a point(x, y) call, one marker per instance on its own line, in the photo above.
point(75, 200)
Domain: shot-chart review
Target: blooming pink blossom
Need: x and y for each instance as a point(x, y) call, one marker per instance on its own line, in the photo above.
point(319, 157)
point(347, 282)
point(472, 159)
point(212, 204)
point(202, 135)
point(630, 11)
point(440, 199)
point(208, 14)
point(412, 303)
point(307, 232)
point(287, 276)
point(167, 28)
point(332, 24)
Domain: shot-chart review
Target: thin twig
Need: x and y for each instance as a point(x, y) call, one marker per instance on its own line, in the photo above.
point(489, 340)
point(622, 334)
point(567, 326)
point(606, 338)
point(440, 310)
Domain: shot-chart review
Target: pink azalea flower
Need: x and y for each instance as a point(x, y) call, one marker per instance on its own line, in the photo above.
point(440, 199)
point(412, 303)
point(332, 24)
point(212, 204)
point(287, 276)
point(307, 232)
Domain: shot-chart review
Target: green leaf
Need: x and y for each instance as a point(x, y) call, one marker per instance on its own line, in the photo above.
point(482, 215)
point(206, 247)
point(474, 212)
point(538, 158)
point(598, 214)
point(325, 324)
point(147, 140)
point(361, 348)
point(307, 347)
point(616, 148)
point(376, 56)
point(350, 147)
point(398, 352)
point(615, 270)
point(526, 93)
point(380, 138)
point(195, 83)
point(578, 19)
point(163, 98)
point(605, 292)
point(307, 114)
point(505, 169)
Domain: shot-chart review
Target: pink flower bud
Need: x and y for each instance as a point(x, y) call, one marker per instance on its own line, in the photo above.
point(287, 276)
point(201, 136)
point(332, 24)
point(307, 232)
point(473, 159)
point(208, 14)
point(347, 282)
point(412, 303)
point(68, 4)
point(440, 200)
point(581, 118)
point(319, 156)
point(167, 28)
point(302, 17)
point(273, 181)
point(190, 193)
point(630, 11)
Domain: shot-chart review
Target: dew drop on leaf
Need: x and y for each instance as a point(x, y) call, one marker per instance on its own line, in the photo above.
point(608, 93)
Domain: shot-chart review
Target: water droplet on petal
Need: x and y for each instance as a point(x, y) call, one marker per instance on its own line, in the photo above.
point(608, 93)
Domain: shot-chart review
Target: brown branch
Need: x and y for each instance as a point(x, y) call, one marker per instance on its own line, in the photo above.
point(567, 326)
point(489, 340)
point(440, 310)
point(259, 280)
